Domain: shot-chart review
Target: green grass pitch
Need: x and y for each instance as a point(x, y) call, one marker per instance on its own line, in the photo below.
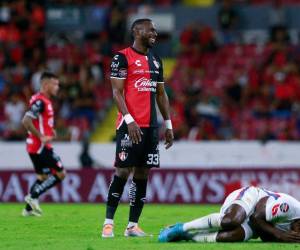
point(74, 226)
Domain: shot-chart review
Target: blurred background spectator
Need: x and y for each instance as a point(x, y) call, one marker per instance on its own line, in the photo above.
point(232, 72)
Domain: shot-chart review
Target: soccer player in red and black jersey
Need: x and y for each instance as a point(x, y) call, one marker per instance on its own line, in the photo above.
point(39, 122)
point(137, 84)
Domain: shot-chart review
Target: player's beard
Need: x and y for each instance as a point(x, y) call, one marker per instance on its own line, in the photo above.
point(146, 42)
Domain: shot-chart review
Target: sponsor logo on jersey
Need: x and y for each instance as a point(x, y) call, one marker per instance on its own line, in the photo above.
point(142, 71)
point(139, 71)
point(156, 63)
point(123, 156)
point(114, 65)
point(36, 107)
point(138, 63)
point(275, 209)
point(284, 207)
point(144, 84)
point(126, 142)
point(122, 73)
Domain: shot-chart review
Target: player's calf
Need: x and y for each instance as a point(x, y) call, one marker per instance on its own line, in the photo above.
point(61, 175)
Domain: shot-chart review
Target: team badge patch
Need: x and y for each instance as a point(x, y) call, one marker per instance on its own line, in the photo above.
point(123, 156)
point(284, 207)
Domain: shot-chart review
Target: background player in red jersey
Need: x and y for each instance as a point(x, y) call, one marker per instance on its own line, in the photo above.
point(137, 83)
point(39, 122)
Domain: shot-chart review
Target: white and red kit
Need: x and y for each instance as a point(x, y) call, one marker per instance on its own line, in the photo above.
point(282, 210)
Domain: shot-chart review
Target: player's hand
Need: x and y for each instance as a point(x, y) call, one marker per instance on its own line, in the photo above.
point(135, 132)
point(289, 236)
point(46, 139)
point(169, 138)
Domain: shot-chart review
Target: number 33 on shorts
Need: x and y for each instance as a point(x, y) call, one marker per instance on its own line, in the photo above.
point(153, 159)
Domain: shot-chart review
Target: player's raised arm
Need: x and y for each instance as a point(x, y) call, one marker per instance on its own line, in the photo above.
point(164, 107)
point(266, 230)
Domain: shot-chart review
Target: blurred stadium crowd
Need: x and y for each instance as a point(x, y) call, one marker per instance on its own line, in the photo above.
point(220, 88)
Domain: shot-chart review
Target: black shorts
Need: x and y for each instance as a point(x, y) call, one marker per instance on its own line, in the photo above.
point(46, 162)
point(144, 154)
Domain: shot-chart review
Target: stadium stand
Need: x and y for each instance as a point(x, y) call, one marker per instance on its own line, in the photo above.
point(218, 90)
point(25, 52)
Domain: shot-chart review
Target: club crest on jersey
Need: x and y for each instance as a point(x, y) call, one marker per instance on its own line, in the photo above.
point(123, 156)
point(284, 207)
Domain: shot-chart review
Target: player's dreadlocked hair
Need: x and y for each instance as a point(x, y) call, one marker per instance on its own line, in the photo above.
point(139, 21)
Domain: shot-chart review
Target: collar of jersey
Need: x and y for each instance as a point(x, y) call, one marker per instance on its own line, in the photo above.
point(141, 53)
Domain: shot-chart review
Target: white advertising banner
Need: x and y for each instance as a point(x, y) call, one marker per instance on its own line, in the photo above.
point(231, 154)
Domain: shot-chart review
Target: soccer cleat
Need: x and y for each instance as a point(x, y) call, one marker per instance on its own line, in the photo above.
point(34, 203)
point(27, 213)
point(172, 233)
point(134, 231)
point(108, 231)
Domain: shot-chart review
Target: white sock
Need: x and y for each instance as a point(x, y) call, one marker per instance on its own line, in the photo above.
point(205, 237)
point(131, 224)
point(108, 221)
point(211, 221)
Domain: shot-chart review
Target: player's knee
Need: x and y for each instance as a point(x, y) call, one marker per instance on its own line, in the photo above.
point(141, 173)
point(61, 175)
point(123, 172)
point(234, 217)
point(229, 223)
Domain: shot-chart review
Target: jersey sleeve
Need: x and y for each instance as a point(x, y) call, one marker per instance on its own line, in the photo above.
point(161, 72)
point(35, 109)
point(277, 210)
point(119, 66)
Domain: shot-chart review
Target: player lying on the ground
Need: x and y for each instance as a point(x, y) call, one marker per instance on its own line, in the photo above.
point(232, 224)
point(277, 218)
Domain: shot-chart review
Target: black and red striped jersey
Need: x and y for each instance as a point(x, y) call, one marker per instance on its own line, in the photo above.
point(142, 73)
point(42, 114)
